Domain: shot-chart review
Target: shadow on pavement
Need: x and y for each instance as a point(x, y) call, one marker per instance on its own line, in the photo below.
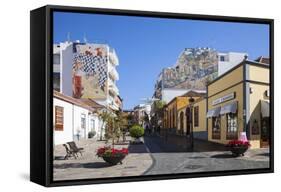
point(94, 165)
point(156, 144)
point(263, 154)
point(222, 156)
point(137, 148)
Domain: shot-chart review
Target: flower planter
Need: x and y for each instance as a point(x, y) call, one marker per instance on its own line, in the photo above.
point(238, 150)
point(238, 147)
point(114, 160)
point(111, 155)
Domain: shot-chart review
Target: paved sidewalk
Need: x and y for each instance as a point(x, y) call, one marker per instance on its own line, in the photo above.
point(90, 166)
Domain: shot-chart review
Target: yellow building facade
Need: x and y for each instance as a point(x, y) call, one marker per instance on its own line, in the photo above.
point(238, 103)
point(184, 117)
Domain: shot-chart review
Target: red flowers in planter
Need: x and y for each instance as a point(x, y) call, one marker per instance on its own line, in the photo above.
point(111, 152)
point(238, 143)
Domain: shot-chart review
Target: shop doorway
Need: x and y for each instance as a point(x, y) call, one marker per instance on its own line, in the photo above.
point(265, 131)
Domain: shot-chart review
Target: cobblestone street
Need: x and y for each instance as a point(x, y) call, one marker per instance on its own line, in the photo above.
point(170, 159)
point(155, 157)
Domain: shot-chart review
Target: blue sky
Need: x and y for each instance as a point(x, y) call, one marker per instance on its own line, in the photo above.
point(146, 45)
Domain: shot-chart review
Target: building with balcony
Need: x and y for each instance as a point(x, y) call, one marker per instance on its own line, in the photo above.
point(87, 71)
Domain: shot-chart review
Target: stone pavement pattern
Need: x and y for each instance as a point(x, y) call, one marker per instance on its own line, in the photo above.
point(169, 159)
point(154, 157)
point(90, 166)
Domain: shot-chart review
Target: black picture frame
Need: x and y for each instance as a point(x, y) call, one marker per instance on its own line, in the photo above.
point(41, 94)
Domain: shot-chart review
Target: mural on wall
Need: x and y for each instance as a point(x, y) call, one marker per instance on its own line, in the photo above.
point(90, 71)
point(194, 68)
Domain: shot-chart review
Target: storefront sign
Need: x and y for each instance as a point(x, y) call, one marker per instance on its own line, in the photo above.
point(224, 98)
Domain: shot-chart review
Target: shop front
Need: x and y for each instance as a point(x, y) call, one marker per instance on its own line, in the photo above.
point(238, 103)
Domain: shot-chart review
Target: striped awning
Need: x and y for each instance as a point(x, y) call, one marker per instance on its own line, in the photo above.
point(213, 112)
point(229, 108)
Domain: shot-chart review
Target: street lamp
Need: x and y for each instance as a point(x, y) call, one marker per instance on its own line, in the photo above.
point(191, 101)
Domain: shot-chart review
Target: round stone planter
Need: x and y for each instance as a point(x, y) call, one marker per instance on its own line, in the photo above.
point(114, 160)
point(238, 150)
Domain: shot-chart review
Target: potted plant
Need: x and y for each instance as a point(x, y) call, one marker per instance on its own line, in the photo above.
point(136, 131)
point(91, 134)
point(238, 147)
point(111, 155)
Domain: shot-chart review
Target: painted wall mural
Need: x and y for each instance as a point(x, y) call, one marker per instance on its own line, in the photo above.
point(194, 68)
point(90, 71)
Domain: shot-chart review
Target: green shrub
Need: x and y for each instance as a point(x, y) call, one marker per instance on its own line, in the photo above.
point(136, 131)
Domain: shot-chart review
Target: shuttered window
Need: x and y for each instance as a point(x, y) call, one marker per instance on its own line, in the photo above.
point(58, 118)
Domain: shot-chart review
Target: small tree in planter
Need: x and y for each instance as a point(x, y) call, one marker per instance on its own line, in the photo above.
point(137, 131)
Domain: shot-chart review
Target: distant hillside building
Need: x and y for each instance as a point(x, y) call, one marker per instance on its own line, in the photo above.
point(87, 70)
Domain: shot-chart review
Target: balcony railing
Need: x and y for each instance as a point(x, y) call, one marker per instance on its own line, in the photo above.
point(112, 87)
point(113, 57)
point(113, 72)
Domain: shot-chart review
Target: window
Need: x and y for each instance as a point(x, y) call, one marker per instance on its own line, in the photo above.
point(222, 58)
point(181, 123)
point(232, 132)
point(92, 124)
point(56, 59)
point(83, 121)
point(196, 116)
point(216, 127)
point(58, 118)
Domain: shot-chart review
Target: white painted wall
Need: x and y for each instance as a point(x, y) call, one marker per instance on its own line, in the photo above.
point(169, 94)
point(232, 59)
point(78, 130)
point(66, 135)
point(72, 123)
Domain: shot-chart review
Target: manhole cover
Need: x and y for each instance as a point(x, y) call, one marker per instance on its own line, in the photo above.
point(193, 166)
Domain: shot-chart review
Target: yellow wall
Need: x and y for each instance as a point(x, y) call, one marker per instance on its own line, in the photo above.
point(202, 116)
point(227, 81)
point(172, 107)
point(260, 74)
point(258, 93)
point(238, 89)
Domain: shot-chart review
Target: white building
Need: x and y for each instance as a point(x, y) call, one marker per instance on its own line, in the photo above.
point(140, 112)
point(167, 94)
point(227, 61)
point(73, 119)
point(99, 75)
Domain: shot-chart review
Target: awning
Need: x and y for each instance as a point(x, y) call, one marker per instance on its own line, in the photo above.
point(213, 112)
point(229, 108)
point(264, 108)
